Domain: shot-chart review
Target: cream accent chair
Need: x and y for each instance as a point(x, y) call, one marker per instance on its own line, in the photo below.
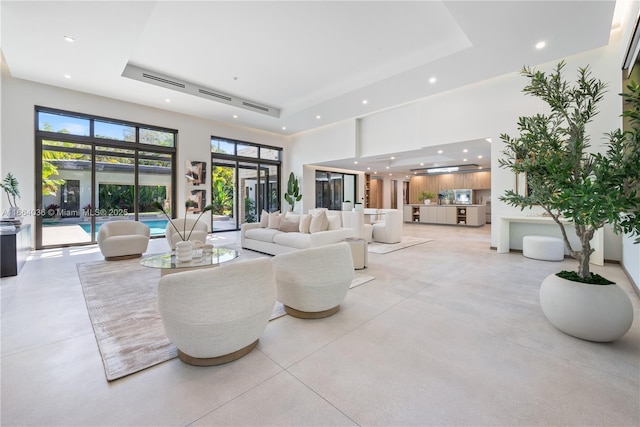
point(312, 283)
point(199, 233)
point(216, 315)
point(389, 228)
point(355, 220)
point(123, 239)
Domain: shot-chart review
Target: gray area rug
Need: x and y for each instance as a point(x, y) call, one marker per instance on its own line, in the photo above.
point(407, 241)
point(122, 301)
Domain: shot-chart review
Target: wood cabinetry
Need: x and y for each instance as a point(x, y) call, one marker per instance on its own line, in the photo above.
point(375, 193)
point(473, 180)
point(367, 189)
point(472, 215)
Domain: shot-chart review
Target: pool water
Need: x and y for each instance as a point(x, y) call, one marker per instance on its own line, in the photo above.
point(157, 226)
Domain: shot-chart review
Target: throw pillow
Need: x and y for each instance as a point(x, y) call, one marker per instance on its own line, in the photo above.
point(319, 222)
point(292, 217)
point(264, 219)
point(305, 222)
point(334, 222)
point(274, 219)
point(288, 226)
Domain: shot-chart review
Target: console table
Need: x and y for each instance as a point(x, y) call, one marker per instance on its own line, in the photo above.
point(14, 249)
point(504, 232)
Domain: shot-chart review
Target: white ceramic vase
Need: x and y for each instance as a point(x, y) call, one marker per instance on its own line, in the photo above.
point(184, 251)
point(347, 206)
point(601, 313)
point(427, 201)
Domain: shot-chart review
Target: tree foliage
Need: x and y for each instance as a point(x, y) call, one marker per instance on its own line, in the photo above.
point(590, 189)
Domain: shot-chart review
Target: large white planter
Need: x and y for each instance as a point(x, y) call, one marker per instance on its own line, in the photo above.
point(347, 206)
point(600, 313)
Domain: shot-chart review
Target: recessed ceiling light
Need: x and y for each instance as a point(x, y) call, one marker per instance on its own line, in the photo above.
point(432, 80)
point(479, 157)
point(67, 76)
point(235, 116)
point(393, 157)
point(69, 39)
point(365, 102)
point(355, 162)
point(390, 174)
point(167, 100)
point(465, 151)
point(421, 164)
point(541, 45)
point(318, 117)
point(387, 167)
point(488, 140)
point(439, 151)
point(368, 169)
point(479, 167)
point(284, 128)
point(464, 160)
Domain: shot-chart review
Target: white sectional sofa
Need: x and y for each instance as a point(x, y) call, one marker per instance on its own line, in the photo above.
point(275, 237)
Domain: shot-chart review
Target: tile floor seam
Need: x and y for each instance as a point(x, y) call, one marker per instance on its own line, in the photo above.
point(322, 397)
point(239, 395)
point(41, 346)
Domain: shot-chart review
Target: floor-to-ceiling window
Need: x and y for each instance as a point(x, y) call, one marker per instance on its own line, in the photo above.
point(93, 170)
point(245, 179)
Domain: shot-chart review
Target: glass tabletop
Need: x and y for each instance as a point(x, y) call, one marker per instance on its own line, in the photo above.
point(168, 261)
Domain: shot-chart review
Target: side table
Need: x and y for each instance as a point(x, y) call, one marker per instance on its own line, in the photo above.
point(359, 252)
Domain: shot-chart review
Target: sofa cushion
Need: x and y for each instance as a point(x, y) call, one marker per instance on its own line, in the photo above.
point(319, 222)
point(305, 222)
point(288, 226)
point(262, 234)
point(264, 219)
point(335, 222)
point(274, 219)
point(293, 240)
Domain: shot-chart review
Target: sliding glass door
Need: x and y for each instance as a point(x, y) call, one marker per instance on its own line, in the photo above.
point(245, 180)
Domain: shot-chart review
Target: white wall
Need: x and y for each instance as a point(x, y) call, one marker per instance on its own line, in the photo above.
point(19, 98)
point(481, 110)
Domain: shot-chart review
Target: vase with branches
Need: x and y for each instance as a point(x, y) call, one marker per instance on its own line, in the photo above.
point(184, 236)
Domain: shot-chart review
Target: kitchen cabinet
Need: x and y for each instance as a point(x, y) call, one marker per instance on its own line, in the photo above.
point(467, 215)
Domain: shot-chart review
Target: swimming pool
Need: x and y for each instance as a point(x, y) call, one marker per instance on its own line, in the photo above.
point(157, 226)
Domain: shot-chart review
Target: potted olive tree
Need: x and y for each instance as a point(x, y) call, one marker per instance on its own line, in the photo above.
point(584, 189)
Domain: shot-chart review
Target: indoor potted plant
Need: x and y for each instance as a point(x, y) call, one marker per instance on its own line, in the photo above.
point(293, 192)
point(426, 196)
point(589, 189)
point(10, 187)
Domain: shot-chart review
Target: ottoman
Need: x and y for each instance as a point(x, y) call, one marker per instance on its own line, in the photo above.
point(544, 248)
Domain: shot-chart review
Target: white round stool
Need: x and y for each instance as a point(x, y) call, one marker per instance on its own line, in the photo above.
point(544, 248)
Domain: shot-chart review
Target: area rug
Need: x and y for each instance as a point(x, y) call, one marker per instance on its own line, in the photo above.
point(121, 299)
point(407, 241)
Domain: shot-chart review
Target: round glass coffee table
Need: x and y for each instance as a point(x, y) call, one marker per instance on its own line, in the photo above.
point(168, 264)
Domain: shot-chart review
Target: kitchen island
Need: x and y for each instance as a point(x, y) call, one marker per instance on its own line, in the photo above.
point(467, 215)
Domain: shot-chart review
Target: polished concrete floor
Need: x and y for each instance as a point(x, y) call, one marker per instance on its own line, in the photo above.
point(449, 333)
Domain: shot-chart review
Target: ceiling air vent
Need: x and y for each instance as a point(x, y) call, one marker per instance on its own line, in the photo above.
point(160, 79)
point(215, 95)
point(258, 107)
point(168, 82)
